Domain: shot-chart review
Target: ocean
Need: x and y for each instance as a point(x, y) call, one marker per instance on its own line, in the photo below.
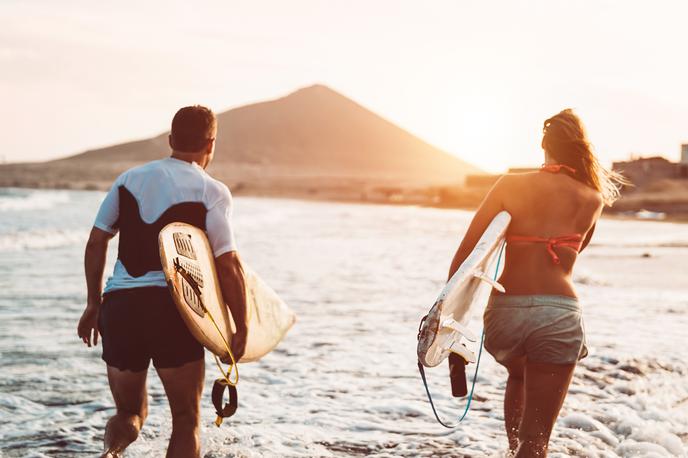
point(344, 381)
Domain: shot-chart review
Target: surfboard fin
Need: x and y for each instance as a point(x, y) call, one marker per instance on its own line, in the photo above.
point(486, 278)
point(462, 351)
point(451, 323)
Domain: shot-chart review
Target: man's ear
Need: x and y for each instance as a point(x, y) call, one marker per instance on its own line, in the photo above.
point(209, 146)
point(169, 141)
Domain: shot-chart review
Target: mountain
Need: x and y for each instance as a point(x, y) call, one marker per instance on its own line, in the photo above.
point(312, 140)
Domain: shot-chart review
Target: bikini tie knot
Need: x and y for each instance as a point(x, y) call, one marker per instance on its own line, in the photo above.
point(556, 168)
point(572, 241)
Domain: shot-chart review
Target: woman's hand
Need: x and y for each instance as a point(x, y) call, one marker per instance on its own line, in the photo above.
point(88, 325)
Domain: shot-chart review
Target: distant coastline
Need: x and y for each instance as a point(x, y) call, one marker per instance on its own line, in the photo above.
point(629, 207)
point(317, 144)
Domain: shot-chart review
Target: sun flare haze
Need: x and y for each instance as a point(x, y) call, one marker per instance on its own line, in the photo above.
point(473, 78)
point(343, 228)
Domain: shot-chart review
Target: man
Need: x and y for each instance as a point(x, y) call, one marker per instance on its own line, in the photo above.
point(135, 315)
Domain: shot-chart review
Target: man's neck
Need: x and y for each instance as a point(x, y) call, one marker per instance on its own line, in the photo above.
point(198, 158)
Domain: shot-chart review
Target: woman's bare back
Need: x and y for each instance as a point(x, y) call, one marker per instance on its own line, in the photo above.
point(545, 205)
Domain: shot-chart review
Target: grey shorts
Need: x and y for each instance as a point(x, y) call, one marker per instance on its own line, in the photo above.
point(544, 329)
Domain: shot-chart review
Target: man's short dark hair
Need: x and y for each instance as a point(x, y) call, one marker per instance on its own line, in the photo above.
point(192, 127)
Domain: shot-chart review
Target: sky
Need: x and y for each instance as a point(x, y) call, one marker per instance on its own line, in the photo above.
point(475, 78)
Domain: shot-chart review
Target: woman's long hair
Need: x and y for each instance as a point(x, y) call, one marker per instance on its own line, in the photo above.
point(565, 140)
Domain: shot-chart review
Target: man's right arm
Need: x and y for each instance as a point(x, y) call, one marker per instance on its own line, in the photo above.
point(231, 276)
point(104, 228)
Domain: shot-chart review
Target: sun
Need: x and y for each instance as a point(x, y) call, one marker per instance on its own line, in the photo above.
point(484, 131)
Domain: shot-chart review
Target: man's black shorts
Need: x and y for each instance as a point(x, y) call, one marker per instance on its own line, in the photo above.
point(141, 324)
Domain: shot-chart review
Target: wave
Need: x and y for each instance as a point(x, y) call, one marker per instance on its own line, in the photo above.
point(15, 199)
point(40, 239)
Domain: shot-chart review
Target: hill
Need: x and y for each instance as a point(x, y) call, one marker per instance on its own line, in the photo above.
point(314, 141)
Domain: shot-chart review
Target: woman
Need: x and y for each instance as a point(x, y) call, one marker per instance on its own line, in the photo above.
point(536, 330)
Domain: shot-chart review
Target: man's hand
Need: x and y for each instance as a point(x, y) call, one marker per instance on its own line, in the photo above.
point(88, 325)
point(238, 343)
point(238, 346)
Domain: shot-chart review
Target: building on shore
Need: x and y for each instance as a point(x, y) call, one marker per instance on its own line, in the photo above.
point(644, 170)
point(477, 181)
point(639, 171)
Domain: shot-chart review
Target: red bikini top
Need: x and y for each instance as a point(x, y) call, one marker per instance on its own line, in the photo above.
point(572, 240)
point(556, 168)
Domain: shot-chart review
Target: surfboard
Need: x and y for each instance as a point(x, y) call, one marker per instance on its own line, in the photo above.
point(189, 268)
point(445, 328)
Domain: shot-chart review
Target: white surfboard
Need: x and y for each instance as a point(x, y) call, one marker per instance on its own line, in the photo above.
point(189, 268)
point(445, 329)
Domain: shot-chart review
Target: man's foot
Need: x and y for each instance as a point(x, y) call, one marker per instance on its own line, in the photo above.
point(111, 454)
point(120, 431)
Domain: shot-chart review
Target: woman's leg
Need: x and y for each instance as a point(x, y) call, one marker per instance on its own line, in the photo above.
point(513, 401)
point(546, 386)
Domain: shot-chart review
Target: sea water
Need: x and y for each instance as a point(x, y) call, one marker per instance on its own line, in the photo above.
point(344, 381)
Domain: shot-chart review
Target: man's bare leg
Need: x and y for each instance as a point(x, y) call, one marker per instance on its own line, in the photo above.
point(131, 399)
point(184, 387)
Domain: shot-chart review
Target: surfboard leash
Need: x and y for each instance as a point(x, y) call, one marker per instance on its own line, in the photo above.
point(225, 382)
point(421, 369)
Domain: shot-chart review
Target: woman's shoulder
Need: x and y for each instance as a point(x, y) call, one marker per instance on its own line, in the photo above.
point(538, 185)
point(510, 180)
point(507, 183)
point(594, 197)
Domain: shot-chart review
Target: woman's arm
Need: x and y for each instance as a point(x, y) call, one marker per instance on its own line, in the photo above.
point(587, 238)
point(492, 204)
point(591, 231)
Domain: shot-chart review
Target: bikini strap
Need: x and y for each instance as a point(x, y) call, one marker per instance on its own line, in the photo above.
point(556, 168)
point(571, 241)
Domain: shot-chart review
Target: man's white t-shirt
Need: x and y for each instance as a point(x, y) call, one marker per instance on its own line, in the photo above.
point(157, 186)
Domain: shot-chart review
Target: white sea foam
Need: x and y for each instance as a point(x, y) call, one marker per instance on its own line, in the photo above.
point(15, 199)
point(41, 239)
point(344, 381)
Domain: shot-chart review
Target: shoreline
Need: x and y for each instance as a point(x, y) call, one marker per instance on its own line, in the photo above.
point(347, 198)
